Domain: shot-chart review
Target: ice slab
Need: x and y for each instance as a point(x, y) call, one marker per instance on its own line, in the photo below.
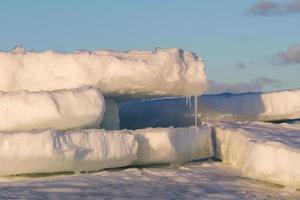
point(51, 151)
point(172, 145)
point(60, 109)
point(179, 112)
point(163, 72)
point(111, 120)
point(262, 151)
point(268, 106)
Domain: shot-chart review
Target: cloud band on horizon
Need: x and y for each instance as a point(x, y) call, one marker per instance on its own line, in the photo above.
point(267, 8)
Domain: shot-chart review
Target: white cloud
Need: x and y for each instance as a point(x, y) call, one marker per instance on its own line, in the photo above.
point(274, 8)
point(289, 56)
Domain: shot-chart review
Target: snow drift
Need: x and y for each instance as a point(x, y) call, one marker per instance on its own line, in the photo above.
point(111, 119)
point(61, 109)
point(164, 72)
point(53, 151)
point(262, 151)
point(179, 112)
point(172, 145)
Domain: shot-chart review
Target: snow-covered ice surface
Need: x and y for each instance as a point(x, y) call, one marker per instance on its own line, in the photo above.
point(173, 145)
point(60, 109)
point(179, 112)
point(54, 151)
point(111, 120)
point(163, 72)
point(201, 180)
point(262, 151)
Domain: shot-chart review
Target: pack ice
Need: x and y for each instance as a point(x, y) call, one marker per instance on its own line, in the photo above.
point(269, 106)
point(262, 151)
point(172, 145)
point(54, 151)
point(163, 72)
point(60, 109)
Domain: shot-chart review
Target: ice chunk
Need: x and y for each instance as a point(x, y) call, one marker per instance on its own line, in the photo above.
point(271, 106)
point(53, 151)
point(61, 109)
point(171, 145)
point(262, 151)
point(111, 119)
point(164, 72)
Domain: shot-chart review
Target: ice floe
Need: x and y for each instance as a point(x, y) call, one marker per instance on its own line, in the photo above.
point(163, 72)
point(262, 151)
point(51, 151)
point(60, 109)
point(172, 145)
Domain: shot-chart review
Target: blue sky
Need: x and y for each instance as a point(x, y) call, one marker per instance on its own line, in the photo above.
point(227, 34)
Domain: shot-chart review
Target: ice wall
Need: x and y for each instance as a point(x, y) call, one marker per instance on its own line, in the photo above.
point(262, 151)
point(53, 151)
point(172, 145)
point(163, 72)
point(179, 112)
point(60, 109)
point(111, 119)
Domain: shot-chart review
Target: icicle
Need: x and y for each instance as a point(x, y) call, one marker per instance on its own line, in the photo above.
point(190, 103)
point(196, 110)
point(186, 101)
point(18, 49)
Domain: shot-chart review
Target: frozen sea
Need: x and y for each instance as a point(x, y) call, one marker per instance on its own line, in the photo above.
point(197, 180)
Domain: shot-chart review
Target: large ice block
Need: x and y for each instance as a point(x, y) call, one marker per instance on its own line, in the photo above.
point(51, 151)
point(263, 106)
point(60, 109)
point(262, 151)
point(163, 72)
point(172, 145)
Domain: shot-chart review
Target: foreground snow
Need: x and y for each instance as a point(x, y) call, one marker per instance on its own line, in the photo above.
point(53, 151)
point(164, 72)
point(61, 109)
point(180, 112)
point(262, 151)
point(205, 180)
point(172, 145)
